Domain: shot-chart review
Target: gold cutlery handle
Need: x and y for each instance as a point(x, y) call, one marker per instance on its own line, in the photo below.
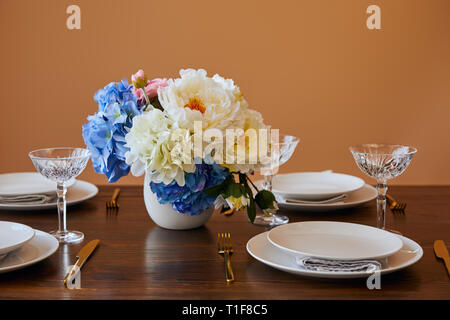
point(447, 264)
point(228, 270)
point(115, 194)
point(390, 199)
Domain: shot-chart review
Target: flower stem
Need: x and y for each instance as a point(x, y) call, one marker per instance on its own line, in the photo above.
point(147, 100)
point(248, 179)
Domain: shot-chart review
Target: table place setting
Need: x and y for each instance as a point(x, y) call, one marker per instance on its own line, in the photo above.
point(22, 246)
point(337, 249)
point(320, 191)
point(341, 266)
point(30, 191)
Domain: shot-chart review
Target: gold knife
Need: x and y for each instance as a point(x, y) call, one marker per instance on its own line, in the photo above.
point(440, 250)
point(82, 256)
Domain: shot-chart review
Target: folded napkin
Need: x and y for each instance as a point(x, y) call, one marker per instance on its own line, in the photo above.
point(338, 199)
point(30, 198)
point(315, 264)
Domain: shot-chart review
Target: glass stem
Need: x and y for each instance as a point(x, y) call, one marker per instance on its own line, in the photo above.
point(381, 204)
point(61, 203)
point(268, 182)
point(268, 186)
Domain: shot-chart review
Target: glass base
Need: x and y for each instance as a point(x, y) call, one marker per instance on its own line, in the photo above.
point(272, 220)
point(68, 236)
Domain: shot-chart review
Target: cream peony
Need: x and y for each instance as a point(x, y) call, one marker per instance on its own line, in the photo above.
point(216, 101)
point(253, 121)
point(159, 148)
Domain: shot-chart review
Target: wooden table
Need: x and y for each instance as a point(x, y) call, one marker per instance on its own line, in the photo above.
point(138, 260)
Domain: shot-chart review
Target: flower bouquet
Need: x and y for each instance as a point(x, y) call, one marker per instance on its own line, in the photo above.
point(194, 137)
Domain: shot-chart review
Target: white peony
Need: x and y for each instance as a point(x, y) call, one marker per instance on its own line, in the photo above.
point(216, 101)
point(158, 148)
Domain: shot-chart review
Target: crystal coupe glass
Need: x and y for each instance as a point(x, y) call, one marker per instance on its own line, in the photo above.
point(61, 165)
point(281, 152)
point(382, 162)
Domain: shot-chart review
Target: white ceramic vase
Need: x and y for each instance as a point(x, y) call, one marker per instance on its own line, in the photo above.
point(166, 217)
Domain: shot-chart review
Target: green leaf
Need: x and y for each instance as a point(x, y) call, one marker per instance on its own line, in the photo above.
point(218, 189)
point(234, 189)
point(251, 208)
point(265, 199)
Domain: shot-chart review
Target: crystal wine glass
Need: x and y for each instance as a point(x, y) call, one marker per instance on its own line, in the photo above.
point(281, 152)
point(61, 165)
point(382, 162)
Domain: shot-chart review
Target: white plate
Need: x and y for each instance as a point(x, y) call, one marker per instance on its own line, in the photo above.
point(314, 185)
point(366, 194)
point(334, 240)
point(13, 235)
point(18, 183)
point(79, 192)
point(262, 250)
point(42, 246)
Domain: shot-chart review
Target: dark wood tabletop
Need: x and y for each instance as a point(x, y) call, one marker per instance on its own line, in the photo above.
point(138, 260)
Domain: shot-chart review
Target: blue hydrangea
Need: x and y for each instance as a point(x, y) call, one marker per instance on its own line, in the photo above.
point(190, 198)
point(104, 134)
point(114, 92)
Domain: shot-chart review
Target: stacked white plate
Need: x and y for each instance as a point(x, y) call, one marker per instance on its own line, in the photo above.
point(21, 246)
point(313, 190)
point(33, 183)
point(281, 247)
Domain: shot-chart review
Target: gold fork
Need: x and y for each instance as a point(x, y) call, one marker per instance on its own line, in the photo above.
point(224, 248)
point(113, 205)
point(394, 205)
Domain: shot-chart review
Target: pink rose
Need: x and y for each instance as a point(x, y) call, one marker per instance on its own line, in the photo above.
point(139, 79)
point(139, 76)
point(151, 88)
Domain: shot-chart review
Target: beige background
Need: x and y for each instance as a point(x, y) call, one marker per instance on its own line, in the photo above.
point(311, 67)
